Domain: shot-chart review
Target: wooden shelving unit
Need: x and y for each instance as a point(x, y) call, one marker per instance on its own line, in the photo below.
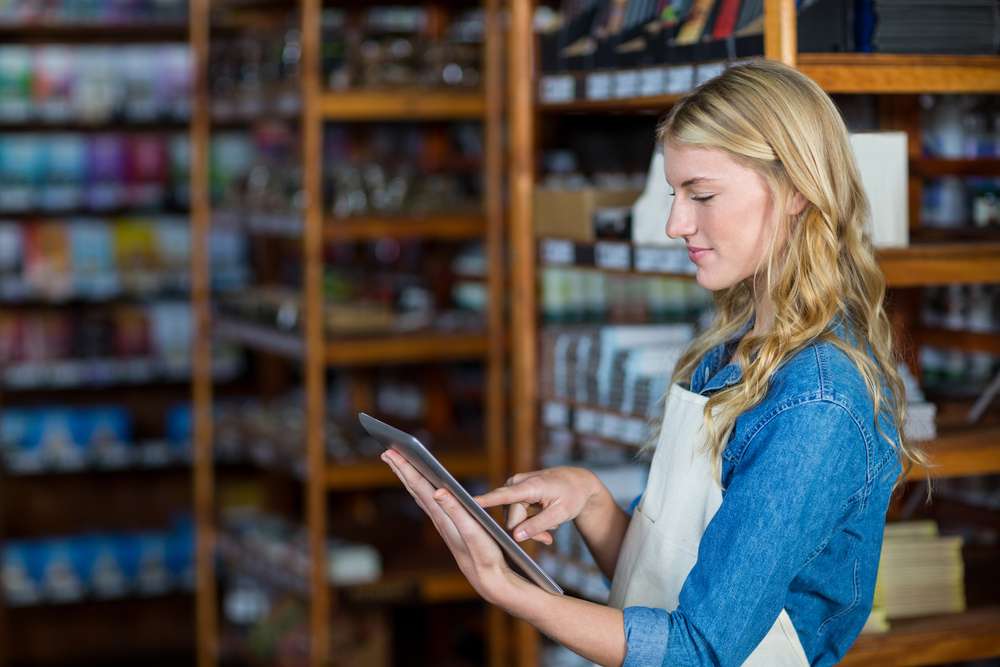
point(317, 352)
point(975, 451)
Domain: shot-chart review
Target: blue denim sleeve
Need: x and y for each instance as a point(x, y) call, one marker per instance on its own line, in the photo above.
point(789, 487)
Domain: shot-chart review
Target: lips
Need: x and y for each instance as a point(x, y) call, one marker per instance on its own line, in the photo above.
point(695, 253)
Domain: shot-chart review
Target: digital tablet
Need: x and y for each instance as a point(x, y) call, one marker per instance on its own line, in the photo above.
point(420, 458)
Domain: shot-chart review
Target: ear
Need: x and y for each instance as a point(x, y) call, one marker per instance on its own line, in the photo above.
point(797, 203)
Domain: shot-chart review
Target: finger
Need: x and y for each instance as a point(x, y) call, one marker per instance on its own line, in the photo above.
point(543, 521)
point(481, 547)
point(523, 491)
point(544, 537)
point(516, 513)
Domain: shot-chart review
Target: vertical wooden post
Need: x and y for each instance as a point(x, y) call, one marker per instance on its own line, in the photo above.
point(496, 404)
point(780, 31)
point(523, 289)
point(207, 624)
point(314, 370)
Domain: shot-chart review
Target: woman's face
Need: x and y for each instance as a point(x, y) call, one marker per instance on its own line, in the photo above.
point(721, 209)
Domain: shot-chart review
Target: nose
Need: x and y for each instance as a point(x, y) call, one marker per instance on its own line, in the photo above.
point(679, 223)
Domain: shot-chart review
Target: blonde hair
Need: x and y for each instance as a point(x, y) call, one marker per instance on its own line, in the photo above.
point(778, 122)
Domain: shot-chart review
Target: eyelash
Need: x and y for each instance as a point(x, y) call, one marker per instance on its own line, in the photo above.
point(703, 198)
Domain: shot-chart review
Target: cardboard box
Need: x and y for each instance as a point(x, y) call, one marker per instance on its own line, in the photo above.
point(569, 214)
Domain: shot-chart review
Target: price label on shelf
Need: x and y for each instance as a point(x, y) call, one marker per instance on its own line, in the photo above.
point(555, 414)
point(627, 83)
point(680, 79)
point(612, 255)
point(636, 431)
point(706, 71)
point(654, 259)
point(557, 251)
point(599, 85)
point(653, 81)
point(557, 88)
point(586, 421)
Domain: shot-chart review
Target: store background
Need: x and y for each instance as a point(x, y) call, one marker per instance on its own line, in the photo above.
point(406, 238)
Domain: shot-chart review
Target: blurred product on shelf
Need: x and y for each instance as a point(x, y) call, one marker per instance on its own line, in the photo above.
point(920, 572)
point(99, 566)
point(96, 12)
point(961, 127)
point(118, 344)
point(384, 170)
point(271, 433)
point(63, 439)
point(395, 47)
point(255, 73)
point(581, 296)
point(83, 85)
point(963, 26)
point(276, 550)
point(568, 560)
point(99, 259)
point(66, 172)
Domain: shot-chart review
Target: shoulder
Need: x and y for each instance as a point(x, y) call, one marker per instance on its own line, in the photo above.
point(817, 405)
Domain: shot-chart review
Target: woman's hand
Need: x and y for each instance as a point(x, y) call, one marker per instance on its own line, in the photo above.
point(562, 493)
point(478, 556)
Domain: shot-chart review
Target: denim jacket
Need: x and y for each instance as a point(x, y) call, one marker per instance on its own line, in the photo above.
point(806, 483)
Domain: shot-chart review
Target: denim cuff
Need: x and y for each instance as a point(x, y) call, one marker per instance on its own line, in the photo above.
point(646, 633)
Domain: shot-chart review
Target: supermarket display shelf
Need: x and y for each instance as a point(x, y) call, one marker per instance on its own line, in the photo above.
point(427, 585)
point(437, 227)
point(20, 294)
point(77, 373)
point(143, 456)
point(379, 349)
point(375, 474)
point(913, 266)
point(111, 126)
point(616, 256)
point(645, 104)
point(116, 212)
point(93, 33)
point(970, 341)
point(898, 73)
point(160, 628)
point(961, 453)
point(415, 104)
point(407, 348)
point(941, 263)
point(934, 167)
point(972, 635)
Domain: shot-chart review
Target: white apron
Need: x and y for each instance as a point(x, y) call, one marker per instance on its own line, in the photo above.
point(661, 543)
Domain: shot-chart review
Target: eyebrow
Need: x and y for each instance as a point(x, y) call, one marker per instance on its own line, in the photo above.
point(692, 181)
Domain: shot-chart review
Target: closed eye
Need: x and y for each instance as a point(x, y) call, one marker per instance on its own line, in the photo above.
point(702, 198)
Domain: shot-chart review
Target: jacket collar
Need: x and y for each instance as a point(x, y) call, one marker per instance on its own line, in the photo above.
point(713, 378)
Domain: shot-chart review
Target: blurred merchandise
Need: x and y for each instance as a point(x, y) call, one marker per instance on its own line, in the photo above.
point(398, 46)
point(92, 172)
point(957, 26)
point(255, 73)
point(94, 84)
point(64, 439)
point(119, 344)
point(99, 566)
point(920, 572)
point(99, 258)
point(96, 12)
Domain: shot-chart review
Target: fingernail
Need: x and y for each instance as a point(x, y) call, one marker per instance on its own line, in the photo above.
point(521, 534)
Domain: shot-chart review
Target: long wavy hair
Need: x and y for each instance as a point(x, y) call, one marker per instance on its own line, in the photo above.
point(778, 122)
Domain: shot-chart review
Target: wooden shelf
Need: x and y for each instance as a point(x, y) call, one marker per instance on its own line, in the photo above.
point(409, 348)
point(112, 126)
point(891, 73)
point(92, 33)
point(962, 453)
point(428, 585)
point(442, 227)
point(373, 474)
point(941, 263)
point(935, 640)
point(415, 104)
point(261, 337)
point(647, 104)
point(969, 341)
point(931, 167)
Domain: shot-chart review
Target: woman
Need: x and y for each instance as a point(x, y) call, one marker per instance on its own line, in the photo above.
point(758, 535)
